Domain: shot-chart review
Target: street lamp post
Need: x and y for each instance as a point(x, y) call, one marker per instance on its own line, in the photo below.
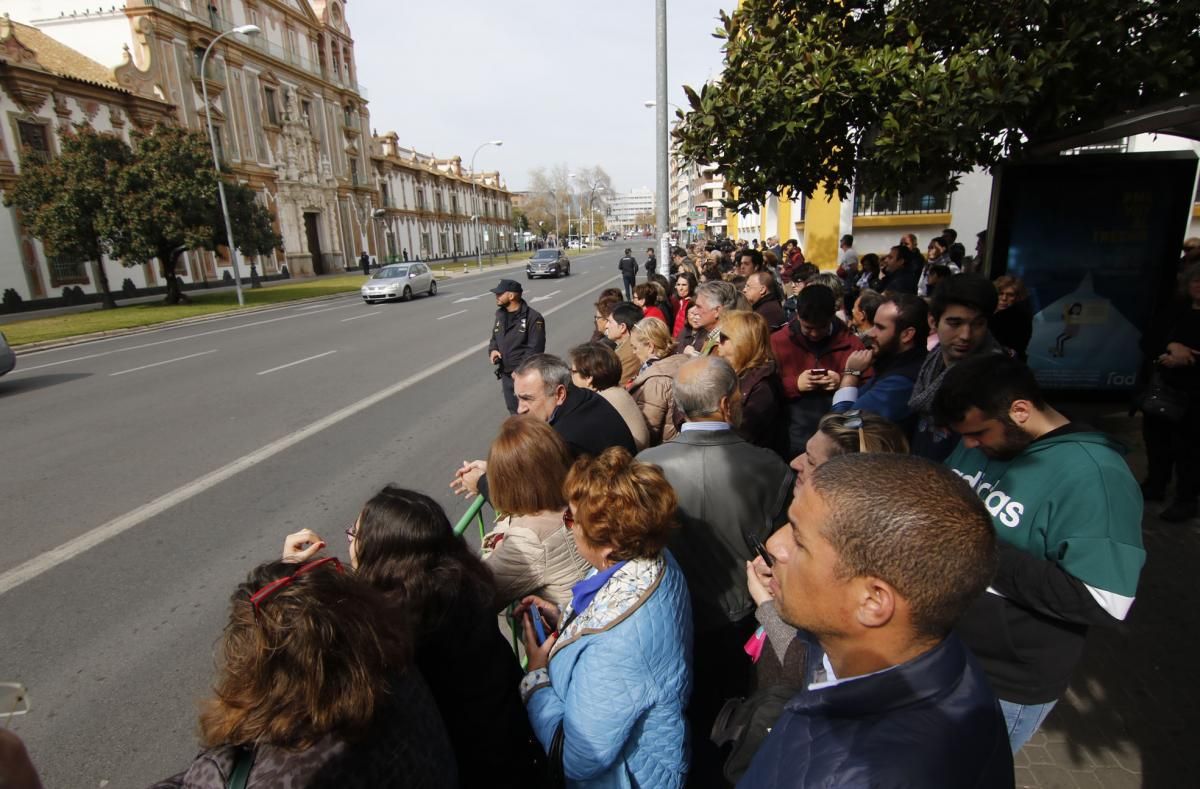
point(246, 30)
point(661, 147)
point(475, 193)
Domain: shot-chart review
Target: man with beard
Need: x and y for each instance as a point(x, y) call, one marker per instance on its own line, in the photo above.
point(899, 271)
point(895, 351)
point(1068, 515)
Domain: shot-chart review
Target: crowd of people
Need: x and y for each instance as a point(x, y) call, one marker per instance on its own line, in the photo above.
point(766, 527)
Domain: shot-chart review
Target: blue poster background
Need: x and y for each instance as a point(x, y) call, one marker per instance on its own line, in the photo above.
point(1087, 235)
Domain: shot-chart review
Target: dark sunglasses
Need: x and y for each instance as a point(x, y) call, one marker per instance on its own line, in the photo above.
point(273, 587)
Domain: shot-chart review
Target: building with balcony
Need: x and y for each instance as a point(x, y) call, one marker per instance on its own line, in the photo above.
point(291, 122)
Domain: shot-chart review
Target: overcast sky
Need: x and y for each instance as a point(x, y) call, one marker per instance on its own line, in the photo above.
point(560, 81)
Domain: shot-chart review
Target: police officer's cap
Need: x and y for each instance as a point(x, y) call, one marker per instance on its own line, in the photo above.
point(507, 286)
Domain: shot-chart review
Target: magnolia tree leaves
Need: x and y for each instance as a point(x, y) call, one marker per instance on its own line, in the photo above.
point(910, 92)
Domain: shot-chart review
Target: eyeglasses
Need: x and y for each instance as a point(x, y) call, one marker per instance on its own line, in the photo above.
point(568, 518)
point(273, 587)
point(599, 318)
point(351, 534)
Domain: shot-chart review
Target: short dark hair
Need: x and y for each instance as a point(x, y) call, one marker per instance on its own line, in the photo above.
point(967, 290)
point(805, 271)
point(756, 258)
point(942, 271)
point(627, 314)
point(925, 533)
point(911, 312)
point(647, 293)
point(598, 362)
point(991, 383)
point(606, 302)
point(816, 304)
point(848, 239)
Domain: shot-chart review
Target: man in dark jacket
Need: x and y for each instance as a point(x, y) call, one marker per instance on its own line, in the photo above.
point(518, 332)
point(364, 262)
point(896, 351)
point(629, 269)
point(585, 420)
point(875, 577)
point(900, 271)
point(651, 264)
point(730, 493)
point(762, 291)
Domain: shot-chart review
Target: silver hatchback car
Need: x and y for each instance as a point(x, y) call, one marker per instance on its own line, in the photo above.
point(8, 359)
point(399, 281)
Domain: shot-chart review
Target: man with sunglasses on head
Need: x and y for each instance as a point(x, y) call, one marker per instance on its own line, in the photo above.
point(729, 491)
point(895, 351)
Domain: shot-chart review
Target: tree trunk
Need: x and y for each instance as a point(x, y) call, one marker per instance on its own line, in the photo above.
point(175, 294)
point(106, 298)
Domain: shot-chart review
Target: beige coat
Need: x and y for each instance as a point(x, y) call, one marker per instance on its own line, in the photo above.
point(628, 408)
point(630, 363)
point(533, 554)
point(654, 392)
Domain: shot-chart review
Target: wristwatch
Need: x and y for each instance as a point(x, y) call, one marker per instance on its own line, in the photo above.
point(855, 373)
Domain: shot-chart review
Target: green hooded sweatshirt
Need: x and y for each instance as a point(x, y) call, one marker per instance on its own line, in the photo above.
point(1072, 510)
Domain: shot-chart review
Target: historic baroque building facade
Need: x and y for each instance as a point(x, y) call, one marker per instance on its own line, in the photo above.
point(291, 121)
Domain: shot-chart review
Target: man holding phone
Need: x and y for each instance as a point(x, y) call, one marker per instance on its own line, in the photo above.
point(812, 351)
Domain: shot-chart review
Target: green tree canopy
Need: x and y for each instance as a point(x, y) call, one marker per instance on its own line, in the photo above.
point(900, 93)
point(67, 201)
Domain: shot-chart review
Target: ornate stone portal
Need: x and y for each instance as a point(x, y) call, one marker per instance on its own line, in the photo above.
point(304, 185)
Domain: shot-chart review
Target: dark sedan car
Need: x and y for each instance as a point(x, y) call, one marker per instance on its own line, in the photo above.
point(8, 359)
point(548, 263)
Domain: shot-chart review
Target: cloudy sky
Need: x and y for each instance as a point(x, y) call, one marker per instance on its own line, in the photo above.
point(560, 81)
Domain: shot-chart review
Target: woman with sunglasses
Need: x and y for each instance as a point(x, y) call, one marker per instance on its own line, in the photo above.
point(653, 388)
point(312, 692)
point(745, 342)
point(403, 545)
point(607, 686)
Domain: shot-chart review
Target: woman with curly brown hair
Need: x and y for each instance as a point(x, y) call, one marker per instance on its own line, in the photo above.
point(607, 688)
point(312, 691)
point(403, 545)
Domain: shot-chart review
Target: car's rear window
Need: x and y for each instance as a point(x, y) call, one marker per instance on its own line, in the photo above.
point(391, 272)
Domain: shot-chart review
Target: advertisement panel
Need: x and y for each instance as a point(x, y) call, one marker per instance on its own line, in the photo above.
point(1089, 234)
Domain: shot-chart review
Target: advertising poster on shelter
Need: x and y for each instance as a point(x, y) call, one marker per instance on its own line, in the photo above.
point(1088, 234)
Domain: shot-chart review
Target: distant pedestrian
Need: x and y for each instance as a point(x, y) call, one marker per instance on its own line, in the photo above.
point(364, 262)
point(629, 269)
point(406, 253)
point(518, 333)
point(651, 264)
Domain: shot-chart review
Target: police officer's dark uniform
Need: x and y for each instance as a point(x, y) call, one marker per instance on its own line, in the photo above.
point(629, 269)
point(516, 335)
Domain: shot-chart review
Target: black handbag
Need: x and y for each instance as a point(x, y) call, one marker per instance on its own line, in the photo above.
point(1163, 400)
point(556, 777)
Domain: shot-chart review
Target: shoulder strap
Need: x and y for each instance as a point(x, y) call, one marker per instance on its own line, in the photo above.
point(242, 764)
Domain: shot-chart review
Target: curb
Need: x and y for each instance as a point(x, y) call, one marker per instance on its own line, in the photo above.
point(80, 339)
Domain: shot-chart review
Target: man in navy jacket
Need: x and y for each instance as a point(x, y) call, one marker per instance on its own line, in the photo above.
point(876, 577)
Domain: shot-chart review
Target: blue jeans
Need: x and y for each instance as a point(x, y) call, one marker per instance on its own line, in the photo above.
point(1023, 720)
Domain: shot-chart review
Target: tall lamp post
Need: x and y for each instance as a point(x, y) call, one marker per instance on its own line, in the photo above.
point(475, 194)
point(245, 30)
point(591, 212)
point(661, 146)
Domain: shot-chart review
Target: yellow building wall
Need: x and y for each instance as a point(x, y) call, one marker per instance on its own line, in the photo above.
point(783, 224)
point(731, 220)
point(822, 217)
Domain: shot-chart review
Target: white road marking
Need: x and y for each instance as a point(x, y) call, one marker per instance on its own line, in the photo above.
point(176, 339)
point(472, 298)
point(364, 315)
point(451, 315)
point(298, 361)
point(32, 568)
point(546, 296)
point(160, 364)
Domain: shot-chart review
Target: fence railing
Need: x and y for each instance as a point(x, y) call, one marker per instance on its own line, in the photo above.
point(874, 205)
point(474, 512)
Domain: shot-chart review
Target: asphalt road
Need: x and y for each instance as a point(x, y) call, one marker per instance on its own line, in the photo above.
point(142, 477)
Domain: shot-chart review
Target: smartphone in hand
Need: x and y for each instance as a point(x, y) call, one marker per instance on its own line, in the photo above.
point(539, 629)
point(818, 371)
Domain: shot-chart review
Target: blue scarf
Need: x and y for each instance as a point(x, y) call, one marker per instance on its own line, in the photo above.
point(583, 592)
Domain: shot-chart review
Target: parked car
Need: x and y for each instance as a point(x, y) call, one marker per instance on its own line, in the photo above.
point(8, 359)
point(399, 281)
point(548, 263)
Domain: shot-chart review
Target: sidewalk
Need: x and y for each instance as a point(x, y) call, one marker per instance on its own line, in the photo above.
point(1131, 716)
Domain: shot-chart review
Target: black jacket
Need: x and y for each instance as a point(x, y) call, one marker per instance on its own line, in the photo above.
point(930, 723)
point(727, 488)
point(1013, 327)
point(589, 425)
point(651, 265)
point(517, 336)
point(628, 266)
point(771, 309)
point(903, 280)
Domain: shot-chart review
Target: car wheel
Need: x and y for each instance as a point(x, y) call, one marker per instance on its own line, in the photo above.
point(529, 276)
point(433, 287)
point(407, 294)
point(567, 271)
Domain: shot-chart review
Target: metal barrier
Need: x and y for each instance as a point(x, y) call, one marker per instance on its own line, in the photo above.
point(474, 512)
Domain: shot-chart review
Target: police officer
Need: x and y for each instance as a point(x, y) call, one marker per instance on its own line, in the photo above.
point(518, 333)
point(629, 269)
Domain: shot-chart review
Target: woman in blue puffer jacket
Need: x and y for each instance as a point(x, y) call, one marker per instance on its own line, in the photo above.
point(612, 678)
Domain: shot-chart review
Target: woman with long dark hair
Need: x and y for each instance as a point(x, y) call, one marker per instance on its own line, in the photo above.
point(403, 545)
point(313, 689)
